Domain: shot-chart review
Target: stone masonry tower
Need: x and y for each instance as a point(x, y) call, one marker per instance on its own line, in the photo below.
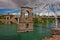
point(26, 21)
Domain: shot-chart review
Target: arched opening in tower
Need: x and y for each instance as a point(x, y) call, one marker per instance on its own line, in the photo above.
point(27, 25)
point(26, 14)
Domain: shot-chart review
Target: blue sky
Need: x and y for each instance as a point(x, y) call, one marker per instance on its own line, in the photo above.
point(9, 10)
point(53, 9)
point(13, 10)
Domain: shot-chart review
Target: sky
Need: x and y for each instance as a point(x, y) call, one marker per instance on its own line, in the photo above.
point(9, 10)
point(13, 6)
point(19, 3)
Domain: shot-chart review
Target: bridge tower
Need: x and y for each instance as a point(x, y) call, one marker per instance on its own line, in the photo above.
point(7, 19)
point(26, 21)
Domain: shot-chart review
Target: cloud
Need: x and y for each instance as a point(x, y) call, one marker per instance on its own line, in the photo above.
point(31, 3)
point(19, 3)
point(7, 4)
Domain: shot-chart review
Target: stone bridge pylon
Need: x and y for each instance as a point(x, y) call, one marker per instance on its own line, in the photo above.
point(26, 23)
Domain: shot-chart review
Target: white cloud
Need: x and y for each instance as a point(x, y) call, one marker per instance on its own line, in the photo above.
point(7, 4)
point(50, 14)
point(15, 13)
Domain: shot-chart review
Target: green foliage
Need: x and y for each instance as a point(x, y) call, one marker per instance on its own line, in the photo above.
point(35, 20)
point(2, 16)
point(1, 22)
point(43, 20)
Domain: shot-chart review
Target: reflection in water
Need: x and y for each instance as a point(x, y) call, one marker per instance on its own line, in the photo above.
point(40, 32)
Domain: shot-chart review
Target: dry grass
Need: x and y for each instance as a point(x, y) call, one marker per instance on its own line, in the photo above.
point(55, 37)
